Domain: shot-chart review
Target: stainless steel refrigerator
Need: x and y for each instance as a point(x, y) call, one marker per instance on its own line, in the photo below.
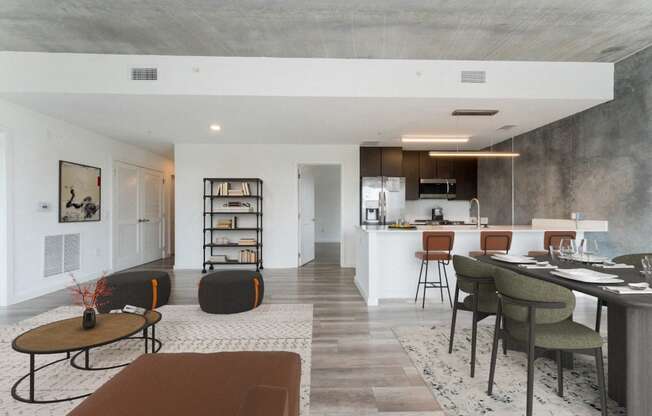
point(384, 195)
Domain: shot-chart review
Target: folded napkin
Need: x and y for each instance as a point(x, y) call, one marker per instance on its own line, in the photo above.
point(626, 290)
point(539, 266)
point(615, 266)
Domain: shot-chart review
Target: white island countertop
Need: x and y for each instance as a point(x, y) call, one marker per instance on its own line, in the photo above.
point(388, 269)
point(538, 225)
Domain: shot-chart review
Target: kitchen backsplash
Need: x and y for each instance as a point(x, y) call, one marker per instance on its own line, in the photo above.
point(422, 209)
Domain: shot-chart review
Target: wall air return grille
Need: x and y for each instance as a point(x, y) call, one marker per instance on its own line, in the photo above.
point(474, 77)
point(144, 74)
point(61, 254)
point(475, 112)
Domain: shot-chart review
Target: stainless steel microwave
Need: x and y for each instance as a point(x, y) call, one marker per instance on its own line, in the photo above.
point(437, 189)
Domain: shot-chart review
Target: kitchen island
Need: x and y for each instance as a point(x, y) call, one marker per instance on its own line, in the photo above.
point(388, 269)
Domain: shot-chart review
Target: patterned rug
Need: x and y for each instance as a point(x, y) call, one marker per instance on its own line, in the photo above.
point(448, 377)
point(184, 328)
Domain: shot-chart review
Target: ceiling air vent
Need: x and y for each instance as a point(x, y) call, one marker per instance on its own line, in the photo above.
point(144, 74)
point(507, 127)
point(475, 112)
point(474, 77)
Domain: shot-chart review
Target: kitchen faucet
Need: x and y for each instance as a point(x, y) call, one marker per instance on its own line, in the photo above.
point(477, 201)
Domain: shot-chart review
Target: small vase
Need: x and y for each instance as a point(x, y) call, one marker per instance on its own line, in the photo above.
point(88, 318)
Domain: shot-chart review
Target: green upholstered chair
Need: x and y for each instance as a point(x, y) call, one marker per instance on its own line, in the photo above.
point(634, 260)
point(475, 279)
point(537, 314)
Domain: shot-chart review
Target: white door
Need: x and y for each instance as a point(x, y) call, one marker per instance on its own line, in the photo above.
point(151, 215)
point(306, 216)
point(127, 246)
point(138, 216)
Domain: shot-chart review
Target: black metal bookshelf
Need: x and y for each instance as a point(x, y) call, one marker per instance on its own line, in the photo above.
point(214, 210)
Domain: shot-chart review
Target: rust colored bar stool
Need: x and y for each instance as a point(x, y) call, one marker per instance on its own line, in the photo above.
point(437, 246)
point(552, 238)
point(493, 242)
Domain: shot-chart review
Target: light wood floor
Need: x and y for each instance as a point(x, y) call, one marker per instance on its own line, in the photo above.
point(358, 366)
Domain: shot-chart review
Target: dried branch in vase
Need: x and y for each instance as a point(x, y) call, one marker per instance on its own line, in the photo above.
point(88, 295)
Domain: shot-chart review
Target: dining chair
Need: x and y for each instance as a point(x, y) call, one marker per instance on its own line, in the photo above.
point(437, 246)
point(552, 238)
point(538, 316)
point(475, 279)
point(493, 242)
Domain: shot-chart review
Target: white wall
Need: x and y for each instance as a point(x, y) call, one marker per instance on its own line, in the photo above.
point(36, 144)
point(277, 166)
point(5, 224)
point(327, 203)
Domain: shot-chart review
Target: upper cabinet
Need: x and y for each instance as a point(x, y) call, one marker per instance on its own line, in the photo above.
point(370, 161)
point(466, 176)
point(381, 161)
point(392, 161)
point(411, 174)
point(434, 168)
point(415, 165)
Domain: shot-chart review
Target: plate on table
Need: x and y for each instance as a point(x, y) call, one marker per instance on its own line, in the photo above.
point(587, 276)
point(514, 259)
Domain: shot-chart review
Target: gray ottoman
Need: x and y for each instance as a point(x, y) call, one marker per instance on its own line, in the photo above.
point(231, 291)
point(146, 289)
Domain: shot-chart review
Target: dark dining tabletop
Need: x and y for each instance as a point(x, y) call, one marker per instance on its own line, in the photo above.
point(593, 289)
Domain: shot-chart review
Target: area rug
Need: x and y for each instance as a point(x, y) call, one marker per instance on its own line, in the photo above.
point(184, 328)
point(447, 375)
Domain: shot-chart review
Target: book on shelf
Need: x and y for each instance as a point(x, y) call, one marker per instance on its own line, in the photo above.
point(219, 258)
point(226, 224)
point(247, 256)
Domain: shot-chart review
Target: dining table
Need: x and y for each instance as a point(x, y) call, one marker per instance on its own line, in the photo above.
point(629, 328)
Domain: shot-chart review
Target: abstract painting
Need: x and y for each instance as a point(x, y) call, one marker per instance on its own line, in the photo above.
point(80, 190)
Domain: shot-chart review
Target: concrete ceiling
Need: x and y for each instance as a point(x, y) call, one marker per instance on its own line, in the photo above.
point(292, 120)
point(544, 30)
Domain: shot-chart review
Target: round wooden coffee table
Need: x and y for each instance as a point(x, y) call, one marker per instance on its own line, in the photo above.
point(151, 319)
point(67, 336)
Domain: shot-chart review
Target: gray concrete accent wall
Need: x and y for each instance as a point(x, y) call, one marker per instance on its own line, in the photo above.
point(598, 162)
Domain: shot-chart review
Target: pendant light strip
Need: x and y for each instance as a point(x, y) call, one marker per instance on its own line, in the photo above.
point(473, 154)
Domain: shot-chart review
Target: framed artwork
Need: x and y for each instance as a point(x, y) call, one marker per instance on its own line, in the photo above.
point(80, 192)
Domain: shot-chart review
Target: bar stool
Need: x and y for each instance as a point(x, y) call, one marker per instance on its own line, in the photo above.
point(437, 246)
point(493, 242)
point(552, 238)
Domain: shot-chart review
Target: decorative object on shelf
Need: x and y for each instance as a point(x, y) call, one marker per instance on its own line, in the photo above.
point(249, 219)
point(88, 297)
point(80, 191)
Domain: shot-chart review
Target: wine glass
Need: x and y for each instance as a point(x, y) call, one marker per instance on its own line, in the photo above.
point(590, 248)
point(566, 249)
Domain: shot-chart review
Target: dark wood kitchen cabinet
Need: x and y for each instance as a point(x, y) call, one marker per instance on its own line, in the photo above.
point(466, 176)
point(411, 174)
point(435, 168)
point(427, 166)
point(391, 161)
point(381, 161)
point(370, 161)
point(445, 168)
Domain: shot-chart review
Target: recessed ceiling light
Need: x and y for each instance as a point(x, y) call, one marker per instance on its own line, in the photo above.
point(429, 138)
point(473, 154)
point(215, 127)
